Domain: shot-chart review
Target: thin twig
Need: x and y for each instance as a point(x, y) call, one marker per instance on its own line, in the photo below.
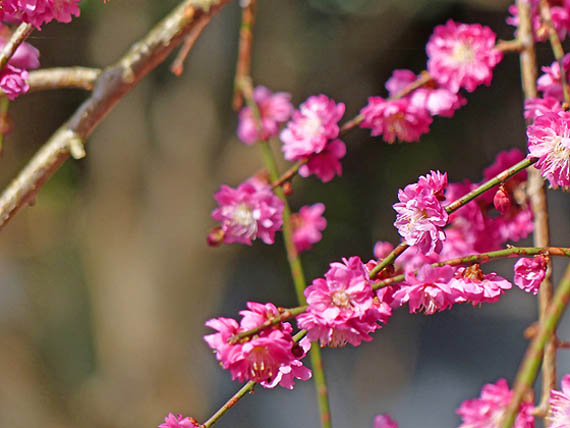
point(113, 83)
point(243, 66)
point(18, 36)
point(177, 67)
point(64, 77)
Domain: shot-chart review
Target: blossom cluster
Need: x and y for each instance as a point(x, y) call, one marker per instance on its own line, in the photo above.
point(270, 357)
point(459, 56)
point(560, 14)
point(39, 12)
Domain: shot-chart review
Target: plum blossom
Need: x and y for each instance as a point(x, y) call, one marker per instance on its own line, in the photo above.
point(260, 357)
point(395, 119)
point(529, 273)
point(177, 421)
point(559, 416)
point(535, 107)
point(382, 249)
point(311, 128)
point(39, 12)
point(549, 141)
point(274, 109)
point(384, 421)
point(308, 225)
point(325, 165)
point(250, 211)
point(559, 11)
point(13, 81)
point(429, 291)
point(420, 215)
point(342, 307)
point(550, 83)
point(295, 370)
point(462, 55)
point(488, 410)
point(475, 287)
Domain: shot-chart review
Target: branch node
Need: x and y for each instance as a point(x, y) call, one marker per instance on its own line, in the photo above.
point(76, 146)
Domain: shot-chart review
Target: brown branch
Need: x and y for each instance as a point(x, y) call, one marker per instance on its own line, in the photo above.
point(177, 66)
point(537, 196)
point(113, 83)
point(18, 36)
point(64, 77)
point(243, 67)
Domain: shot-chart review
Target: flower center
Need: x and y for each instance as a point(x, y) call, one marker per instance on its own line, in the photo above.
point(397, 124)
point(463, 53)
point(312, 125)
point(260, 364)
point(341, 299)
point(561, 149)
point(243, 215)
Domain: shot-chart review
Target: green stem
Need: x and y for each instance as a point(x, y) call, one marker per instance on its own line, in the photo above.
point(529, 367)
point(229, 404)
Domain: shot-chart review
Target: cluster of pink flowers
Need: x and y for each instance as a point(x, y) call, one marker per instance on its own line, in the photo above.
point(420, 214)
point(178, 421)
point(342, 306)
point(39, 12)
point(560, 11)
point(14, 76)
point(308, 224)
point(559, 416)
point(270, 357)
point(459, 56)
point(312, 136)
point(274, 110)
point(487, 410)
point(250, 211)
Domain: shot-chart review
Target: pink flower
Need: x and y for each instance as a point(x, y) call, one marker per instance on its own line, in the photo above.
point(384, 421)
point(399, 81)
point(428, 291)
point(462, 55)
point(395, 119)
point(420, 214)
point(471, 285)
point(26, 56)
point(13, 81)
point(560, 19)
point(311, 128)
point(326, 164)
point(529, 273)
point(439, 102)
point(342, 308)
point(248, 212)
point(560, 405)
point(295, 370)
point(259, 357)
point(550, 83)
point(538, 106)
point(274, 109)
point(177, 421)
point(39, 12)
point(488, 410)
point(382, 249)
point(549, 140)
point(308, 225)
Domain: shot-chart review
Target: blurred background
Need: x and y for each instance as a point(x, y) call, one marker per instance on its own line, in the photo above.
point(107, 281)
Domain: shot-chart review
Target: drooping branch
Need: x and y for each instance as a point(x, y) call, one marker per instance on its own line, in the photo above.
point(64, 77)
point(111, 85)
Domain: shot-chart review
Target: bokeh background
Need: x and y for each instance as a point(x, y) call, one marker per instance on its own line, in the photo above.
point(107, 281)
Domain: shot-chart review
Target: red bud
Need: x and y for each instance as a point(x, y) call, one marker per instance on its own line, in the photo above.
point(502, 200)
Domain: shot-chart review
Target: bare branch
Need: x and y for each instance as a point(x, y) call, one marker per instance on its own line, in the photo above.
point(57, 78)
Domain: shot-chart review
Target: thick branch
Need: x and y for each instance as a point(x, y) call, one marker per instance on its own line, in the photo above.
point(113, 83)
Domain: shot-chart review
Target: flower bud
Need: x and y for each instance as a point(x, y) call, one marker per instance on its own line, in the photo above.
point(502, 201)
point(215, 237)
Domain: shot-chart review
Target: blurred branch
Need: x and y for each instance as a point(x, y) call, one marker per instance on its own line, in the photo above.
point(56, 78)
point(18, 36)
point(111, 85)
point(177, 66)
point(243, 67)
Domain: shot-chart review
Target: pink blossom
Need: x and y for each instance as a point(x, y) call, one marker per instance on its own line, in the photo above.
point(549, 141)
point(295, 370)
point(529, 273)
point(39, 12)
point(342, 308)
point(260, 357)
point(502, 201)
point(384, 421)
point(538, 106)
point(326, 164)
point(395, 119)
point(560, 19)
point(462, 55)
point(14, 81)
point(428, 291)
point(559, 416)
point(439, 102)
point(471, 285)
point(312, 127)
point(274, 109)
point(248, 212)
point(382, 249)
point(26, 56)
point(420, 214)
point(177, 421)
point(399, 81)
point(550, 83)
point(488, 410)
point(308, 225)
